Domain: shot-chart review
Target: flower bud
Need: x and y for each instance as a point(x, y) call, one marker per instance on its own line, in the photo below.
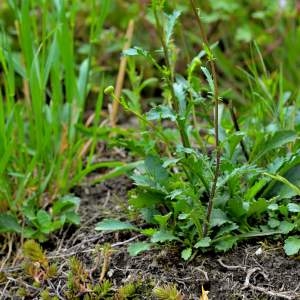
point(109, 90)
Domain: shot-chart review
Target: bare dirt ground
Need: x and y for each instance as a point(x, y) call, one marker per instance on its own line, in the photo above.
point(251, 271)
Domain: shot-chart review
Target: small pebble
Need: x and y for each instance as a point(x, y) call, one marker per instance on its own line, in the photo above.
point(259, 251)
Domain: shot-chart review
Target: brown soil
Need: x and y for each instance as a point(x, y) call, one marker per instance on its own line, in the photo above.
point(242, 273)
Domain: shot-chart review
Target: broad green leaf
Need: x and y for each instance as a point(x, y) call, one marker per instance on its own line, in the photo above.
point(186, 253)
point(161, 112)
point(43, 218)
point(170, 162)
point(114, 225)
point(227, 229)
point(72, 217)
point(145, 199)
point(203, 243)
point(254, 189)
point(154, 168)
point(46, 229)
point(279, 139)
point(218, 218)
point(283, 210)
point(286, 227)
point(233, 141)
point(9, 223)
point(226, 243)
point(146, 181)
point(56, 225)
point(29, 232)
point(258, 207)
point(136, 248)
point(236, 173)
point(292, 245)
point(64, 204)
point(236, 207)
point(273, 223)
point(163, 236)
point(148, 213)
point(162, 220)
point(293, 207)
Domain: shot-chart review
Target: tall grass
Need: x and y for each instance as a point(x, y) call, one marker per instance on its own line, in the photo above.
point(44, 88)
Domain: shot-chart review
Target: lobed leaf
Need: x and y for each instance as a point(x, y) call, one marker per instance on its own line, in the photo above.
point(114, 225)
point(136, 248)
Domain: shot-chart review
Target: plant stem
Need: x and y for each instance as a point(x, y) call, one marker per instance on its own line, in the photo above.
point(216, 122)
point(143, 119)
point(170, 80)
point(121, 74)
point(237, 129)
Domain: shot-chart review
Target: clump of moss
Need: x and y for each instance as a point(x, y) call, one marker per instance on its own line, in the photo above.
point(167, 292)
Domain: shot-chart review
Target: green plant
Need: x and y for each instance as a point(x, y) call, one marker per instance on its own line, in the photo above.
point(167, 292)
point(126, 291)
point(44, 92)
point(45, 295)
point(103, 290)
point(36, 262)
point(203, 197)
point(78, 279)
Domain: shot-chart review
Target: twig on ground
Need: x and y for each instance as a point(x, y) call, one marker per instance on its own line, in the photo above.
point(248, 276)
point(62, 255)
point(230, 267)
point(3, 293)
point(55, 293)
point(126, 241)
point(203, 272)
point(290, 295)
point(106, 199)
point(70, 253)
point(58, 288)
point(92, 239)
point(297, 288)
point(24, 284)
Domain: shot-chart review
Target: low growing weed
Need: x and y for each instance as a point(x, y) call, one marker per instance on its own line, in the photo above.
point(213, 176)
